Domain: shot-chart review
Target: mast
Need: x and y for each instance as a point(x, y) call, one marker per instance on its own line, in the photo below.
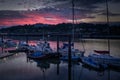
point(107, 17)
point(73, 20)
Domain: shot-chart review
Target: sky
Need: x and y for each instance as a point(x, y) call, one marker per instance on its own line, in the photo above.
point(21, 12)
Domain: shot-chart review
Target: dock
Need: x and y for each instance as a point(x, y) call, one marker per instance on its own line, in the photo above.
point(4, 55)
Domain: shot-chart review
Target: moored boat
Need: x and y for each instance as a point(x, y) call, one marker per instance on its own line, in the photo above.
point(106, 59)
point(73, 58)
point(36, 55)
point(90, 62)
point(101, 51)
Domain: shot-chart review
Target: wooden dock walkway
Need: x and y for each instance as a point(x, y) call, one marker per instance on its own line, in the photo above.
point(4, 55)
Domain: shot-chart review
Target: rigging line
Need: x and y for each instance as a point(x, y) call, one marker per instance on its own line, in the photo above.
point(83, 45)
point(107, 17)
point(81, 40)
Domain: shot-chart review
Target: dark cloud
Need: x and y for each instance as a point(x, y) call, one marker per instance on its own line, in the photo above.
point(7, 14)
point(55, 9)
point(20, 3)
point(91, 4)
point(66, 13)
point(2, 1)
point(81, 3)
point(115, 1)
point(110, 14)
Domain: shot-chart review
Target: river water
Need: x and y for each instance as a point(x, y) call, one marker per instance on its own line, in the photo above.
point(19, 67)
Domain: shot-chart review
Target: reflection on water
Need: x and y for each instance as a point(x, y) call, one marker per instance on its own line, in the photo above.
point(19, 67)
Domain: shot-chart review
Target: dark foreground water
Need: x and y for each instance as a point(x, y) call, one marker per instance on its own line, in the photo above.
point(19, 67)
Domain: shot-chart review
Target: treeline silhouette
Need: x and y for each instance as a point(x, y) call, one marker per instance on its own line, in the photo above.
point(83, 29)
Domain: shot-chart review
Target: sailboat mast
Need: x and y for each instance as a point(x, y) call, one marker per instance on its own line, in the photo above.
point(107, 12)
point(73, 20)
point(107, 15)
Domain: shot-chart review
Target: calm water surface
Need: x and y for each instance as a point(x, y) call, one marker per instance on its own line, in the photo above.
point(19, 67)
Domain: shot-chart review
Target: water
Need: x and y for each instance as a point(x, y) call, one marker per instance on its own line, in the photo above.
point(19, 67)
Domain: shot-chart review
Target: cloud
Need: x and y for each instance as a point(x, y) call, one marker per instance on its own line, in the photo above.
point(110, 14)
point(2, 1)
point(115, 1)
point(7, 14)
point(29, 17)
point(51, 11)
point(36, 4)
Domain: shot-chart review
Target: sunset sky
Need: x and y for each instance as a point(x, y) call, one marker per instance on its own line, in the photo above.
point(20, 12)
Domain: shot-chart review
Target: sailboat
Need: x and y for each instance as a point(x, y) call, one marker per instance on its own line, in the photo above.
point(42, 50)
point(88, 61)
point(104, 56)
point(75, 53)
point(36, 55)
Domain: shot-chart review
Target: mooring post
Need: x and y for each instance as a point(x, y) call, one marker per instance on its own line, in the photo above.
point(57, 68)
point(69, 58)
point(58, 46)
point(27, 39)
point(2, 44)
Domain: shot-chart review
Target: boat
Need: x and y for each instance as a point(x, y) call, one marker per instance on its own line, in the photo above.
point(22, 45)
point(88, 61)
point(104, 56)
point(73, 58)
point(106, 59)
point(92, 63)
point(9, 43)
point(44, 47)
point(36, 55)
point(75, 53)
point(101, 51)
point(64, 49)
